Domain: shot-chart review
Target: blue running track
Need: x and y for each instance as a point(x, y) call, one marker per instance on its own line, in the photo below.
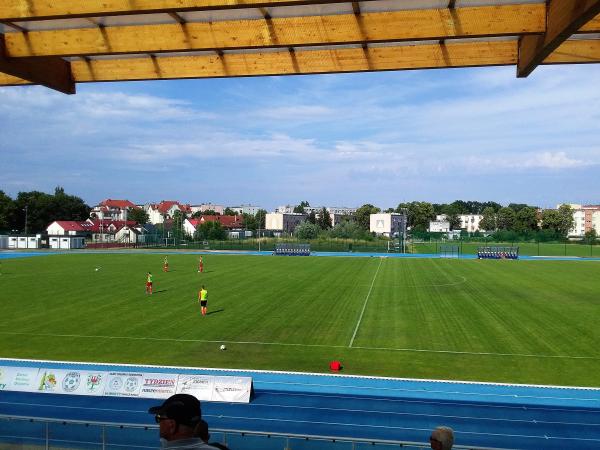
point(482, 415)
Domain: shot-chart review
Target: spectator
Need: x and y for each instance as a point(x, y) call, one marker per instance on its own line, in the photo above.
point(442, 438)
point(178, 417)
point(201, 431)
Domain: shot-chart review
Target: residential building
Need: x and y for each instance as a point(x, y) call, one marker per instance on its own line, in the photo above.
point(112, 209)
point(283, 222)
point(468, 222)
point(227, 222)
point(387, 224)
point(219, 209)
point(585, 218)
point(158, 212)
point(439, 226)
point(95, 229)
point(287, 209)
point(245, 209)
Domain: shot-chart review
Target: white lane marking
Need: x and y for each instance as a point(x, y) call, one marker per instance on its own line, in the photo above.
point(318, 408)
point(365, 304)
point(291, 344)
point(462, 280)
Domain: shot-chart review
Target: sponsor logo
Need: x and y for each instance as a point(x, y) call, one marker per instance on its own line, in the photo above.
point(48, 382)
point(94, 380)
point(131, 384)
point(116, 383)
point(157, 382)
point(71, 381)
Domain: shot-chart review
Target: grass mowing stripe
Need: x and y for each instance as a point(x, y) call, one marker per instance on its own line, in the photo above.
point(365, 304)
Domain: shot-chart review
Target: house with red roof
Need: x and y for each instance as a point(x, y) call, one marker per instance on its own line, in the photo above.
point(112, 209)
point(158, 212)
point(96, 230)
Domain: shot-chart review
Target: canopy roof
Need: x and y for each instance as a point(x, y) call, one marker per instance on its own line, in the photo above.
point(58, 43)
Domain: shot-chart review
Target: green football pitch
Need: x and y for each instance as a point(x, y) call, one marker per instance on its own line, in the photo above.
point(504, 321)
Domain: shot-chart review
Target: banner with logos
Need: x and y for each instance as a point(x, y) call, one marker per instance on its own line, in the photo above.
point(232, 389)
point(125, 384)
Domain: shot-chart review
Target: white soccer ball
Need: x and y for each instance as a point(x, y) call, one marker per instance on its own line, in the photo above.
point(97, 269)
point(223, 347)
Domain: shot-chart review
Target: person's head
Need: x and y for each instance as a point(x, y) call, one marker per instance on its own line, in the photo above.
point(442, 438)
point(177, 417)
point(202, 287)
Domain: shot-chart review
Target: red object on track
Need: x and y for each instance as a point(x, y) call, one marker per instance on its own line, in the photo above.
point(336, 366)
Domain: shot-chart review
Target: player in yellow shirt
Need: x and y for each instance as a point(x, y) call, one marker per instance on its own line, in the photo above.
point(148, 283)
point(166, 265)
point(202, 298)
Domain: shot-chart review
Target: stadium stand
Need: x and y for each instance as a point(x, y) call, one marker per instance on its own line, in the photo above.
point(292, 250)
point(498, 253)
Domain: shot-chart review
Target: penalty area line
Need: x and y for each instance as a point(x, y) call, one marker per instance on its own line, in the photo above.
point(292, 344)
point(365, 304)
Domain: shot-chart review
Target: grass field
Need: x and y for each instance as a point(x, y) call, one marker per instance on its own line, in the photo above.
point(506, 321)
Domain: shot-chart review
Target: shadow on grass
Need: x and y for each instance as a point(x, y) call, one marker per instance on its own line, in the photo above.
point(214, 312)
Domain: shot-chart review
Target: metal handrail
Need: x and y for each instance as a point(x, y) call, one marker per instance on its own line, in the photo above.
point(226, 432)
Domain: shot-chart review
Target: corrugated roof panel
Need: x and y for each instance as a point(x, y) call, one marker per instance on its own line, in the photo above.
point(219, 16)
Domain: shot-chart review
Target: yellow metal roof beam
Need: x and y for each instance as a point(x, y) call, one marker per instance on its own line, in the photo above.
point(411, 25)
point(22, 10)
point(564, 17)
point(54, 73)
point(319, 61)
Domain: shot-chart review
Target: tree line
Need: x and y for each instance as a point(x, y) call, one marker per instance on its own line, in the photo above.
point(41, 209)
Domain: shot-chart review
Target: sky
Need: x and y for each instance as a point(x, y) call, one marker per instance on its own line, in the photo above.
point(332, 140)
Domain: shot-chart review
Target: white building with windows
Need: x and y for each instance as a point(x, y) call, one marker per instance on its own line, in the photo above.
point(280, 222)
point(468, 222)
point(439, 226)
point(245, 209)
point(387, 224)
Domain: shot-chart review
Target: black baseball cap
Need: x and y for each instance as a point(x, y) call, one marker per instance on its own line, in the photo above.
point(183, 408)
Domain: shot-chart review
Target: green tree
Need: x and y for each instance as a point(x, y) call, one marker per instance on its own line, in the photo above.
point(138, 214)
point(454, 220)
point(591, 237)
point(7, 211)
point(300, 208)
point(229, 212)
point(306, 230)
point(488, 221)
point(324, 220)
point(250, 222)
point(566, 222)
point(349, 229)
point(210, 230)
point(526, 220)
point(419, 215)
point(506, 218)
point(312, 218)
point(363, 215)
point(260, 217)
point(551, 220)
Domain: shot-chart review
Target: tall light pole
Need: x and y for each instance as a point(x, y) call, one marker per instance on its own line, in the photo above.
point(26, 207)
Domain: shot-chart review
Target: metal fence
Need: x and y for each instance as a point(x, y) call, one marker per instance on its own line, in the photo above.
point(525, 248)
point(28, 433)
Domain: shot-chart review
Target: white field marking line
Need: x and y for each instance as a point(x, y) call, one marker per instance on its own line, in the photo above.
point(365, 304)
point(290, 344)
point(462, 280)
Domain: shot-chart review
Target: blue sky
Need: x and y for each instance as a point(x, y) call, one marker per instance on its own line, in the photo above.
point(335, 140)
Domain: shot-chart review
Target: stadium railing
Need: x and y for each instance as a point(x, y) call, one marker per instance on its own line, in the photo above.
point(35, 433)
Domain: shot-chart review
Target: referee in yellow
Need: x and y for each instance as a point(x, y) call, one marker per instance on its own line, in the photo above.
point(202, 298)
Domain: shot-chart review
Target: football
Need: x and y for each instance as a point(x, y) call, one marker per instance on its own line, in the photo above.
point(223, 347)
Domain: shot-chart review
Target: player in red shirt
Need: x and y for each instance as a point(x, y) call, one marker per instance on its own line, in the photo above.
point(200, 265)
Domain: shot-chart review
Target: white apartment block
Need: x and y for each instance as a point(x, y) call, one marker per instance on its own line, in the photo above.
point(245, 209)
point(585, 218)
point(387, 224)
point(281, 222)
point(468, 222)
point(439, 226)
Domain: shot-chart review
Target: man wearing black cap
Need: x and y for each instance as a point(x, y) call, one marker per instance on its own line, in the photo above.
point(177, 418)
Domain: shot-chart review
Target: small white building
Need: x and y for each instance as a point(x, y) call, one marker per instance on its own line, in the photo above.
point(387, 224)
point(439, 226)
point(3, 241)
point(24, 241)
point(283, 222)
point(66, 242)
point(468, 222)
